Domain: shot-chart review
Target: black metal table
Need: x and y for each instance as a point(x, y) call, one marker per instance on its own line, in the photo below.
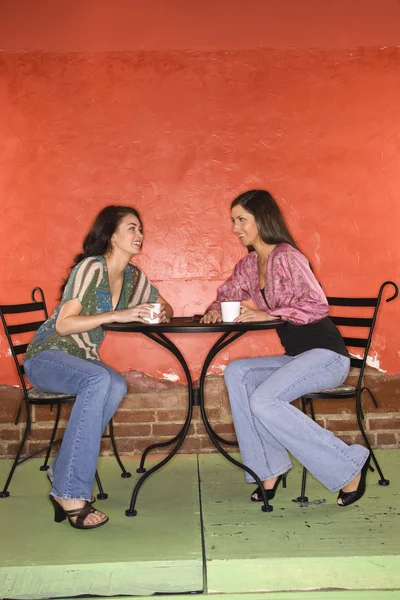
point(157, 332)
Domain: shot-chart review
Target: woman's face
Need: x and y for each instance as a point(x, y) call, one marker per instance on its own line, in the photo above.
point(244, 226)
point(128, 236)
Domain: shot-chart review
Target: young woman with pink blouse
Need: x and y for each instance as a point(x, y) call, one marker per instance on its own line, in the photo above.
point(275, 280)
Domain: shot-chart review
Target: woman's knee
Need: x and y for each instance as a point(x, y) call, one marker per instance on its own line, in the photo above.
point(119, 385)
point(234, 371)
point(260, 404)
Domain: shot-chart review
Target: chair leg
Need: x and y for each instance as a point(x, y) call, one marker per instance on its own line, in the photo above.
point(5, 493)
point(102, 494)
point(125, 473)
point(45, 465)
point(382, 480)
point(303, 497)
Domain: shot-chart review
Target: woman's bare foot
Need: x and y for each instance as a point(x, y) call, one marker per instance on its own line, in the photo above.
point(92, 518)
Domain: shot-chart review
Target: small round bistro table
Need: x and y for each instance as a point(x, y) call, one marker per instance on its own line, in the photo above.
point(157, 332)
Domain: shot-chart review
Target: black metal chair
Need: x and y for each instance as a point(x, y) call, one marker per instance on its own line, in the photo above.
point(363, 342)
point(32, 396)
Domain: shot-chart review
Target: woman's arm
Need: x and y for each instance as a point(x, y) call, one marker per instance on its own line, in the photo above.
point(294, 292)
point(236, 288)
point(71, 321)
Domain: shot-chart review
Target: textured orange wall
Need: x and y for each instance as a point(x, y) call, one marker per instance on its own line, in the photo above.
point(178, 135)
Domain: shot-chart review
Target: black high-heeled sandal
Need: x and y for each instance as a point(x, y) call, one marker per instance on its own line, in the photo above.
point(269, 493)
point(92, 499)
point(351, 497)
point(60, 514)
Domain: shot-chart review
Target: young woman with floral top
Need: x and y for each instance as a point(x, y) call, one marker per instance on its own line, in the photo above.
point(103, 287)
point(275, 280)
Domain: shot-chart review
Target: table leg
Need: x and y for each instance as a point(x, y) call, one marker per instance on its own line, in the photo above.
point(221, 343)
point(164, 341)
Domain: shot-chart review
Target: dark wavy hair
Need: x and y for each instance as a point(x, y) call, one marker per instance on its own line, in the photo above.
point(268, 217)
point(98, 238)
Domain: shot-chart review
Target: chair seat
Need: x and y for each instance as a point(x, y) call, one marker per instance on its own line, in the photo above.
point(35, 394)
point(340, 390)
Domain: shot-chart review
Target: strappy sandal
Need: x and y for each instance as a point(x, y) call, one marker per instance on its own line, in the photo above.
point(92, 499)
point(60, 514)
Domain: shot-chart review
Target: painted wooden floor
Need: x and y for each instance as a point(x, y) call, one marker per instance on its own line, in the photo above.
point(319, 546)
point(287, 553)
point(158, 551)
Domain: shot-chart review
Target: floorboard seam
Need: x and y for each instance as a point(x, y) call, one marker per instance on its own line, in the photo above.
point(203, 540)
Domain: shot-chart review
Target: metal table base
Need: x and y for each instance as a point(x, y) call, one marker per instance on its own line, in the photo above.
point(157, 333)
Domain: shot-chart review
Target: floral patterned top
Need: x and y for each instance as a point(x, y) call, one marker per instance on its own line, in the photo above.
point(291, 293)
point(291, 290)
point(89, 283)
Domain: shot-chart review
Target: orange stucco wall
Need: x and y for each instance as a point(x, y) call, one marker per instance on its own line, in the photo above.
point(178, 135)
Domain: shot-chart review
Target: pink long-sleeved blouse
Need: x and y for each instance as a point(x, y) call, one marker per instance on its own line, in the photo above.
point(291, 289)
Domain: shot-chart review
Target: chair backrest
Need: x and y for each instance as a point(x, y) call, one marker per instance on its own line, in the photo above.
point(365, 323)
point(18, 350)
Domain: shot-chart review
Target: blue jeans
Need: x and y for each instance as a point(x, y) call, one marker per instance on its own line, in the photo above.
point(99, 391)
point(267, 425)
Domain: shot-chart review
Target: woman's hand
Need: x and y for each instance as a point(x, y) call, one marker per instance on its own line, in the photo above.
point(248, 315)
point(139, 313)
point(212, 316)
point(163, 315)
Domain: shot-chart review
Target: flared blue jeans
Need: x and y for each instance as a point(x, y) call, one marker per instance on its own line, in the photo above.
point(99, 390)
point(268, 426)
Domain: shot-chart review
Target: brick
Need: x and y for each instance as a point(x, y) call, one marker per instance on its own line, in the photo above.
point(124, 444)
point(140, 445)
point(10, 399)
point(10, 434)
point(341, 424)
point(44, 434)
point(190, 445)
point(387, 439)
point(44, 413)
point(384, 423)
point(177, 415)
point(8, 449)
point(214, 414)
point(106, 448)
point(134, 416)
point(213, 399)
point(136, 429)
point(206, 444)
point(214, 384)
point(324, 406)
point(222, 428)
point(35, 445)
point(169, 429)
point(347, 438)
point(141, 401)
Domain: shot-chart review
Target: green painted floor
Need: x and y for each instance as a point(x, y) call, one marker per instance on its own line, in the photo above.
point(319, 546)
point(247, 552)
point(159, 550)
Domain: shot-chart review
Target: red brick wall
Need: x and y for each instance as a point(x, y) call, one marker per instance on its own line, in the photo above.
point(154, 411)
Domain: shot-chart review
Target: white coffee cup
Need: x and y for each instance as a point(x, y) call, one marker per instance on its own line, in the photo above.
point(230, 310)
point(154, 314)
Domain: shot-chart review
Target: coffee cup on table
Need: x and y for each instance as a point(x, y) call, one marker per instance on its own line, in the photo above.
point(230, 310)
point(154, 316)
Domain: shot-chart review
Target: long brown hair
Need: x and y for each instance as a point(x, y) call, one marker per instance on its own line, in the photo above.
point(268, 217)
point(97, 240)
